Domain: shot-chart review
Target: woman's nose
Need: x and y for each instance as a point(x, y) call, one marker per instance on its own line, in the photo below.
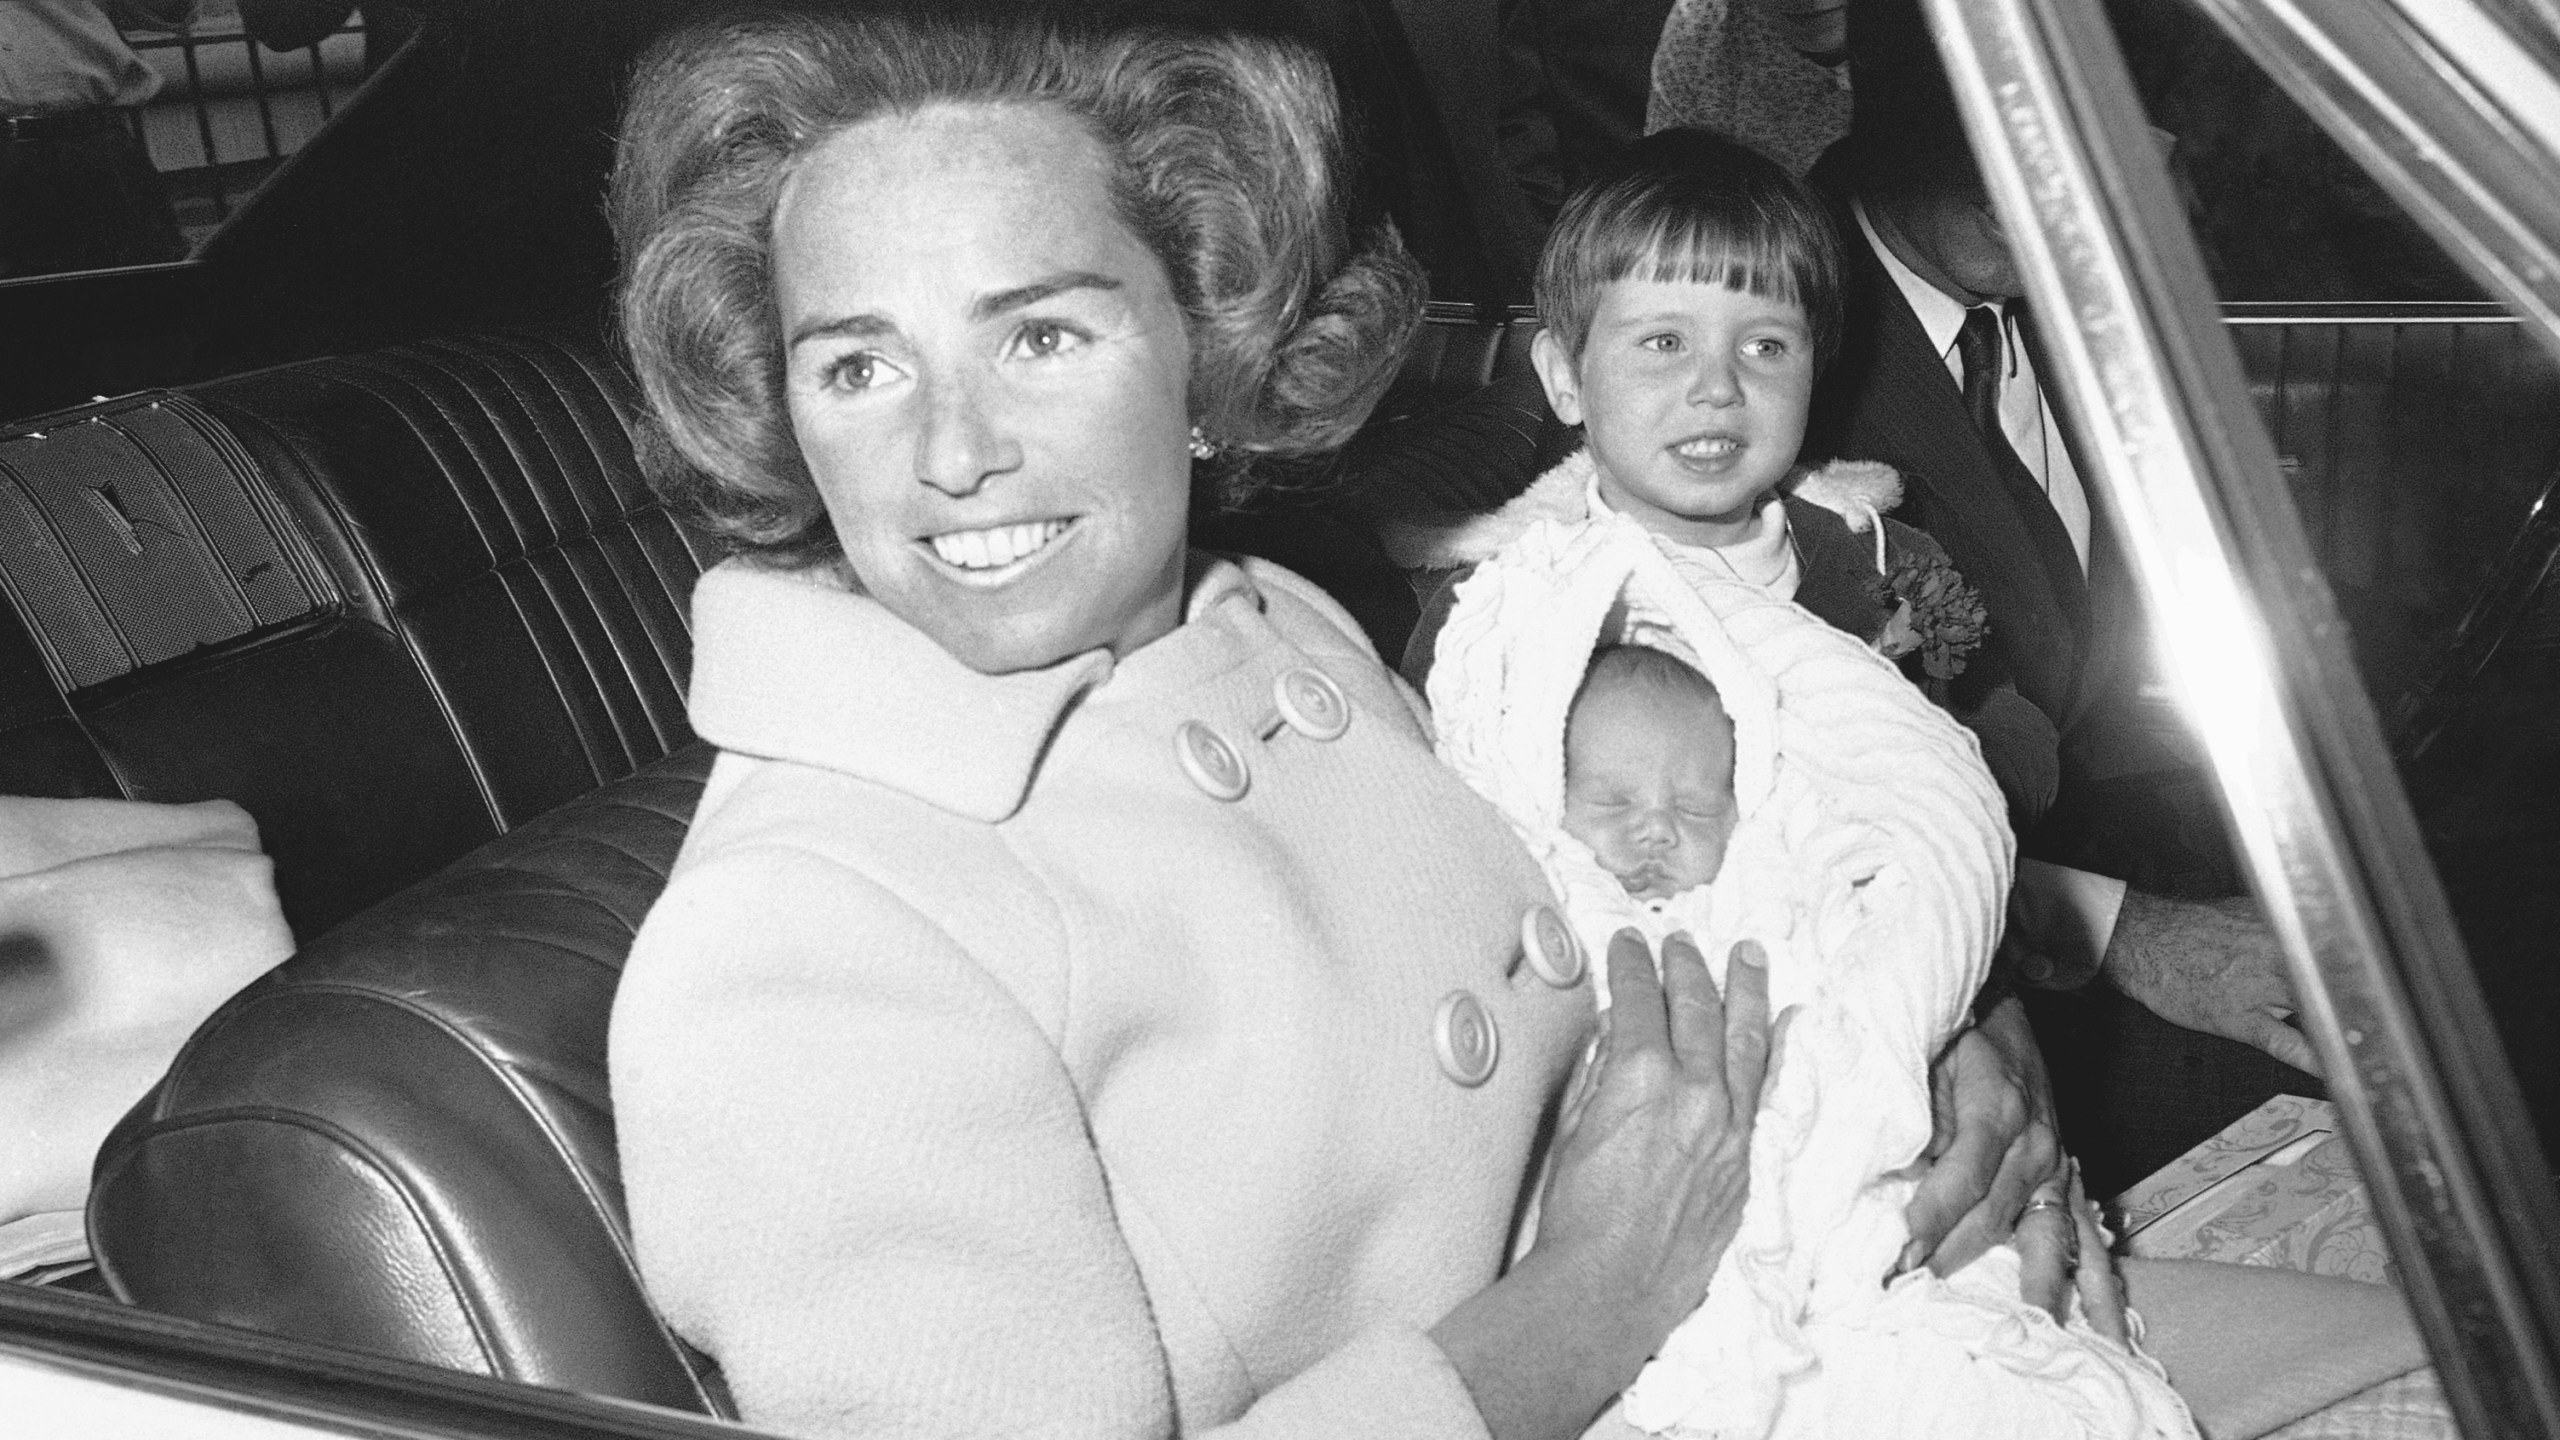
point(962, 443)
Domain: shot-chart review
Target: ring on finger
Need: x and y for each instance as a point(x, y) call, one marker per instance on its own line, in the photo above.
point(2071, 1228)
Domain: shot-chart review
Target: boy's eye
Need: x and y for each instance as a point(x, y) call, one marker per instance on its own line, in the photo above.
point(1662, 344)
point(1765, 347)
point(1040, 339)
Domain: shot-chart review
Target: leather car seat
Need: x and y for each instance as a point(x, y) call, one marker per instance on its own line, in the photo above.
point(401, 1140)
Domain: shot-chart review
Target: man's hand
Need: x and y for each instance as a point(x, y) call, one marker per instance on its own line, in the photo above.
point(2207, 965)
point(1994, 1142)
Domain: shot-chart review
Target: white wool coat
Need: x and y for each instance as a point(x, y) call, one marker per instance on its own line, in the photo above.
point(1871, 863)
point(980, 1074)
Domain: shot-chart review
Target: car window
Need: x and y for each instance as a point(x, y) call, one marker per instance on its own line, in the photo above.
point(2338, 515)
point(212, 101)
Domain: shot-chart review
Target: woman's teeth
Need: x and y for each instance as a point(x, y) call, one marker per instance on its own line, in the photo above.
point(996, 547)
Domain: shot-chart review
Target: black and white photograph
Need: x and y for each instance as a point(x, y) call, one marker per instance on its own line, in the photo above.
point(1280, 719)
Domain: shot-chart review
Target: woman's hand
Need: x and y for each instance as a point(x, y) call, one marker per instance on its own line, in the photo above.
point(2062, 1250)
point(1652, 1154)
point(1650, 1169)
point(1994, 1144)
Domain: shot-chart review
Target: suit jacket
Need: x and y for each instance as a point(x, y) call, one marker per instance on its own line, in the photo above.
point(1888, 397)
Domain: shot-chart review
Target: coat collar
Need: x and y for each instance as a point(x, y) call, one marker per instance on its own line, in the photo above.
point(795, 665)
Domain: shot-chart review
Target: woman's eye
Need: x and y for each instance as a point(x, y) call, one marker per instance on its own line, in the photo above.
point(1040, 339)
point(861, 370)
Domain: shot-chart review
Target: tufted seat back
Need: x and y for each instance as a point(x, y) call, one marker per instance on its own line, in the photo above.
point(492, 615)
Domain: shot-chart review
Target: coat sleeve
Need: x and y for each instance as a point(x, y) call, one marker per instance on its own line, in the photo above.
point(860, 1177)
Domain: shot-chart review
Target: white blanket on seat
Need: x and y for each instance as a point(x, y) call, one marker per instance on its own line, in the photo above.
point(1871, 862)
point(122, 926)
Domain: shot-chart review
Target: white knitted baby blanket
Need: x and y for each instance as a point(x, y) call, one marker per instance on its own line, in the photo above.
point(1871, 862)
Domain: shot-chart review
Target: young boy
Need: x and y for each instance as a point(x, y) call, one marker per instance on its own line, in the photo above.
point(1791, 792)
point(1690, 302)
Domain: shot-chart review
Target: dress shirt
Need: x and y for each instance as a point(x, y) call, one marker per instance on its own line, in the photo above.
point(58, 56)
point(2034, 430)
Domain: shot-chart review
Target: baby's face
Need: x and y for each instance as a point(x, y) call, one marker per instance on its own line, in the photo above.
point(1649, 784)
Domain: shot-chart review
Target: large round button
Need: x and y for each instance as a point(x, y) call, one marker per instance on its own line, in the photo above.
point(1465, 1037)
point(1551, 947)
point(1312, 704)
point(1210, 761)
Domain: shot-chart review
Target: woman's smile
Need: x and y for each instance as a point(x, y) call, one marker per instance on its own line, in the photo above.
point(998, 553)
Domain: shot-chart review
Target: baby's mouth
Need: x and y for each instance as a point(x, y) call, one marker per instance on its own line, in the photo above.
point(1649, 881)
point(996, 546)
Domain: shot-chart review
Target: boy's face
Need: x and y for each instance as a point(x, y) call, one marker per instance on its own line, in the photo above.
point(1692, 398)
point(1649, 784)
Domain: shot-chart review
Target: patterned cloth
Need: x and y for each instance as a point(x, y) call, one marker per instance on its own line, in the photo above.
point(1721, 65)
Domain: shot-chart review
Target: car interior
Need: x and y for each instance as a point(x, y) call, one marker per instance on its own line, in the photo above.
point(355, 536)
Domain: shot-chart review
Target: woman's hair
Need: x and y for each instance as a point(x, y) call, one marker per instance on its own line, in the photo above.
point(1222, 152)
point(1691, 205)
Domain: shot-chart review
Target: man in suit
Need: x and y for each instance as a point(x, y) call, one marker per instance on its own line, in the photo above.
point(1937, 376)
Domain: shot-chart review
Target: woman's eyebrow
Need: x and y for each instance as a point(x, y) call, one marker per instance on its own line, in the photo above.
point(866, 326)
point(845, 327)
point(991, 305)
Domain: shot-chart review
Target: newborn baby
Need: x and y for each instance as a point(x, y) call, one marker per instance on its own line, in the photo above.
point(1648, 771)
point(1684, 754)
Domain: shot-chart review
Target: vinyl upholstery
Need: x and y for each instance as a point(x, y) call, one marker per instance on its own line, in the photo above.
point(400, 1140)
point(510, 631)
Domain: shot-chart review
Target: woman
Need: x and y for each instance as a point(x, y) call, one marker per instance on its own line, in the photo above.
point(1082, 1005)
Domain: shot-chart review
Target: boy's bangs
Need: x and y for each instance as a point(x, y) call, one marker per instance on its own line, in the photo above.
point(1702, 251)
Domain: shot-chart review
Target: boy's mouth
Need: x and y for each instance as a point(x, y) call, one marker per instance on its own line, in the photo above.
point(1709, 447)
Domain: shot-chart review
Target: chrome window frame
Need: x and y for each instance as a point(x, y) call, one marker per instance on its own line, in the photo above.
point(2150, 382)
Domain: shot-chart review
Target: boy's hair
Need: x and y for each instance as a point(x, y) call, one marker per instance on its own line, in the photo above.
point(1645, 665)
point(1691, 205)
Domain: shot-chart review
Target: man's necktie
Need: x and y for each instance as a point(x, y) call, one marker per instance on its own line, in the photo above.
point(1978, 345)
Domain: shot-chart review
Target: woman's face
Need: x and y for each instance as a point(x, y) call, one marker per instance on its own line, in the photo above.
point(988, 378)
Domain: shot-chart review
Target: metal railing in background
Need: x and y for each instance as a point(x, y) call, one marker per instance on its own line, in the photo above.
point(231, 110)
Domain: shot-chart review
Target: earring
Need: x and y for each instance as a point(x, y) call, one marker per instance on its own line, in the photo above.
point(1202, 447)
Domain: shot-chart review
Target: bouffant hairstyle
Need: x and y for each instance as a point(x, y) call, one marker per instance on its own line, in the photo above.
point(1222, 151)
point(1691, 205)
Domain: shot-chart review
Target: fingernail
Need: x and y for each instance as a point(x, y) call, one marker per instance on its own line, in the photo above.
point(1750, 953)
point(1909, 1260)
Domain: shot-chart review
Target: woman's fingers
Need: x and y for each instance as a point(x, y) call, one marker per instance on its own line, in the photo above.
point(2101, 1288)
point(1749, 1036)
point(1697, 1012)
point(1635, 1018)
point(2048, 1237)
